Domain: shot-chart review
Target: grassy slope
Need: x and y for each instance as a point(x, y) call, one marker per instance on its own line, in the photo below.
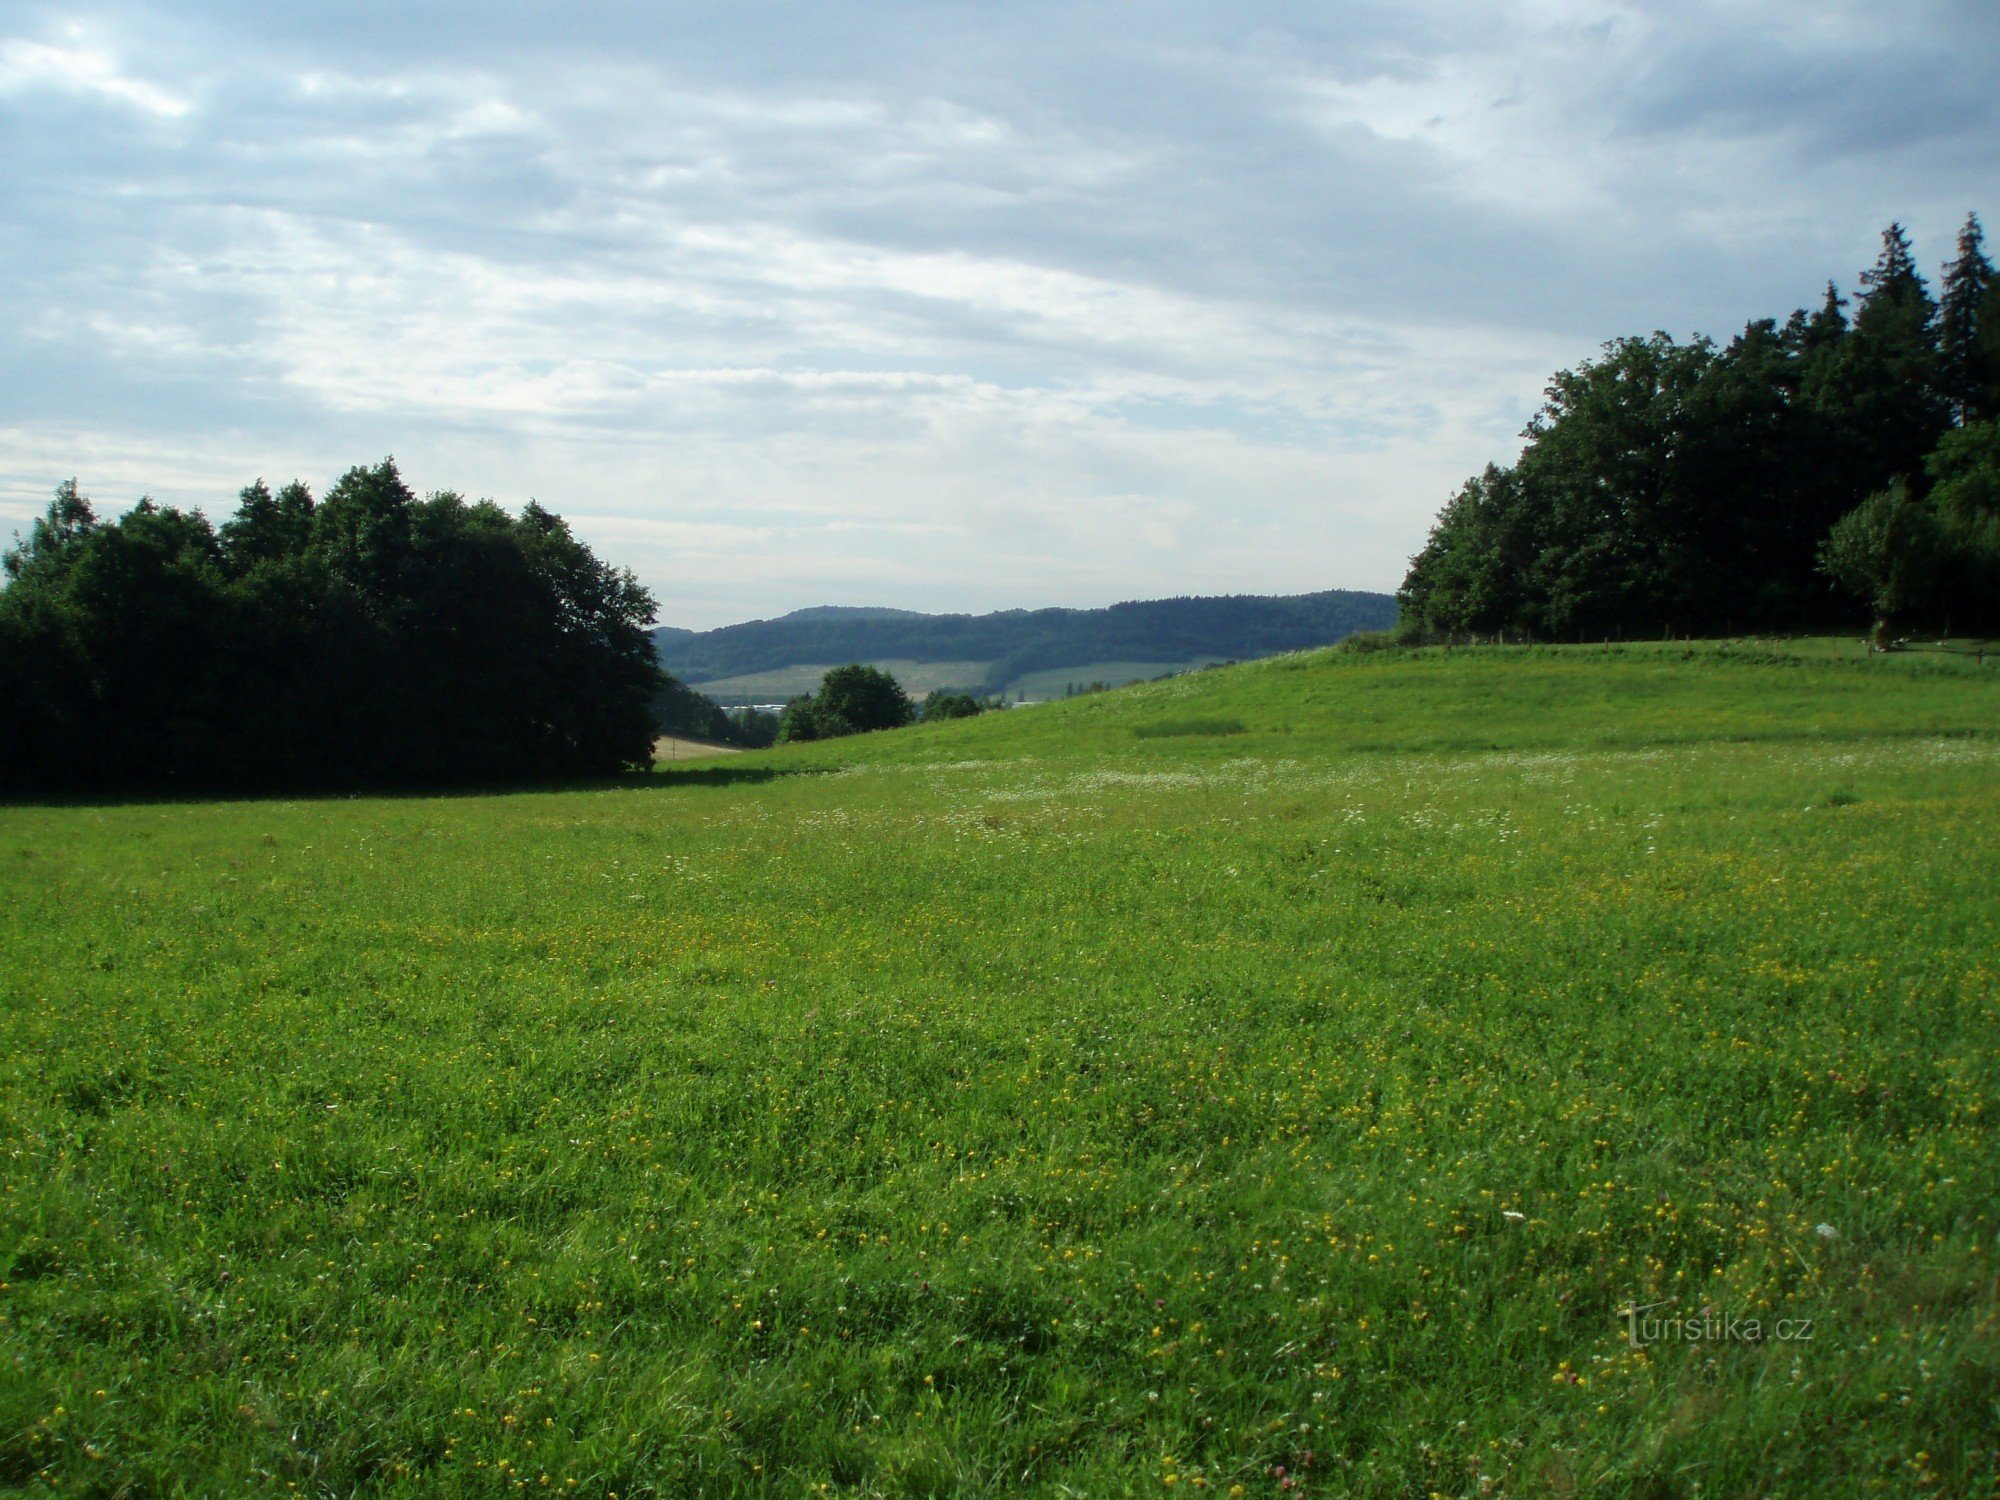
point(1041, 686)
point(1028, 1103)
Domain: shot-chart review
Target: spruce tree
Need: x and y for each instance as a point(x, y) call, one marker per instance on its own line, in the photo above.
point(1807, 333)
point(1966, 347)
point(267, 527)
point(1894, 413)
point(1895, 316)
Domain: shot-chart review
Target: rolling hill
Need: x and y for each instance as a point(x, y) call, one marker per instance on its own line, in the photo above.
point(993, 653)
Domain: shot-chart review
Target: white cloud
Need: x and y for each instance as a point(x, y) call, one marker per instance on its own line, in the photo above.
point(76, 66)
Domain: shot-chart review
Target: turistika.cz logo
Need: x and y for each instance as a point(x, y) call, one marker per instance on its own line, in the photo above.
point(1707, 1327)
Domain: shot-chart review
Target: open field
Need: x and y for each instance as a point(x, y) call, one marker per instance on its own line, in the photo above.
point(1265, 1082)
point(678, 747)
point(917, 678)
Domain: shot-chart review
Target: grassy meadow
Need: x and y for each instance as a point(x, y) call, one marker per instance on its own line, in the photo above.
point(1271, 1082)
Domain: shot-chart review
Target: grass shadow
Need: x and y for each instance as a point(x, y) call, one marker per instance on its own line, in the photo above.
point(659, 778)
point(733, 774)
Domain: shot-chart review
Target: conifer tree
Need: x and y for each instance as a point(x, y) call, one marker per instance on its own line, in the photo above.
point(1968, 342)
point(1807, 333)
point(267, 527)
point(1894, 412)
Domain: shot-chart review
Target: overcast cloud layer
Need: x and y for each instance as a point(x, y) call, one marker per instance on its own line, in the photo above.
point(948, 306)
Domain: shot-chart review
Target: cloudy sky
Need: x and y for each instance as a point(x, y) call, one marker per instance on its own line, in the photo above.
point(942, 305)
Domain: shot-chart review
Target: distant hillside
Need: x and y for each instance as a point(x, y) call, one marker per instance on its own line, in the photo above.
point(990, 653)
point(820, 612)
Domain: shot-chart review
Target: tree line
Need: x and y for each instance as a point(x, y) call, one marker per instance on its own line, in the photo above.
point(366, 638)
point(1847, 456)
point(859, 699)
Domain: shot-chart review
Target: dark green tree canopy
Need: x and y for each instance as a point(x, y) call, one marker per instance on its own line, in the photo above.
point(1672, 487)
point(854, 699)
point(371, 639)
point(267, 528)
point(939, 706)
point(1894, 300)
point(1969, 329)
point(53, 538)
point(1965, 498)
point(866, 697)
point(1885, 550)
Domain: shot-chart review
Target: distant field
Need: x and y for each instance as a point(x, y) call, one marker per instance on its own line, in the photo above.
point(1053, 684)
point(917, 678)
point(679, 747)
point(921, 677)
point(1275, 1080)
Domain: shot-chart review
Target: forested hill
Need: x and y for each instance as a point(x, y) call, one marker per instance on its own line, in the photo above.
point(1018, 641)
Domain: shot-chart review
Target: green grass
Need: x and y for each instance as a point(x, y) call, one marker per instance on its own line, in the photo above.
point(1166, 729)
point(1055, 682)
point(1025, 1106)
